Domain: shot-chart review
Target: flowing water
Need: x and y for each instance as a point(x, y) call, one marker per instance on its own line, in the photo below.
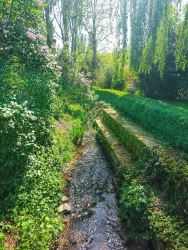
point(93, 222)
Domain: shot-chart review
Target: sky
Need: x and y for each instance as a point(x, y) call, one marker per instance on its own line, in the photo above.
point(110, 43)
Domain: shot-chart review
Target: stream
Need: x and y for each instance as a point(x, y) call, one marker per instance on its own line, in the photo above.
point(93, 222)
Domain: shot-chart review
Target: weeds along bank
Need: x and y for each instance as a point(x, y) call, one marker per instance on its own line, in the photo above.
point(33, 152)
point(153, 176)
point(31, 183)
point(39, 128)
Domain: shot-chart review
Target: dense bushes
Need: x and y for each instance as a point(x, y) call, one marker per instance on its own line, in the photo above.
point(77, 112)
point(21, 133)
point(32, 156)
point(147, 217)
point(165, 120)
point(32, 151)
point(134, 202)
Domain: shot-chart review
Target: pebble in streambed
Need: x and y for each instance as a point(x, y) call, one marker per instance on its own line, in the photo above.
point(95, 224)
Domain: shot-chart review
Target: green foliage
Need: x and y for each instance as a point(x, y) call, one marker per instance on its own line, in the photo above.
point(75, 86)
point(59, 108)
point(84, 59)
point(139, 12)
point(36, 200)
point(2, 237)
point(39, 92)
point(181, 51)
point(158, 117)
point(37, 232)
point(162, 43)
point(78, 133)
point(154, 187)
point(166, 170)
point(169, 229)
point(147, 57)
point(21, 133)
point(158, 48)
point(104, 72)
point(118, 76)
point(33, 153)
point(146, 217)
point(134, 202)
point(77, 112)
point(33, 189)
point(19, 17)
point(182, 104)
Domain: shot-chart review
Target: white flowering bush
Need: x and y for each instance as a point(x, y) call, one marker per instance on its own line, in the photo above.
point(30, 177)
point(28, 69)
point(18, 139)
point(18, 21)
point(31, 155)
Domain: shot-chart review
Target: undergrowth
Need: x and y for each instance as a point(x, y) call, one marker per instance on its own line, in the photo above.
point(147, 216)
point(31, 182)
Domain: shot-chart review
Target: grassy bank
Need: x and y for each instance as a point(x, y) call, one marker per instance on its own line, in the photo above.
point(164, 120)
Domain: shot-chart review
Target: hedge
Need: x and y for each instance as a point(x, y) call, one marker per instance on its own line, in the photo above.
point(167, 121)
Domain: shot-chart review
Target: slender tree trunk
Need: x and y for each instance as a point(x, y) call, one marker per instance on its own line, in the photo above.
point(74, 37)
point(48, 25)
point(65, 20)
point(94, 37)
point(74, 46)
point(94, 53)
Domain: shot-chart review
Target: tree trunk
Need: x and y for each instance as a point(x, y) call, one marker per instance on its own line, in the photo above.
point(94, 38)
point(48, 25)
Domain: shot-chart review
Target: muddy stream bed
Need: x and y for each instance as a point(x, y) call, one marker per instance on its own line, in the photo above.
point(93, 222)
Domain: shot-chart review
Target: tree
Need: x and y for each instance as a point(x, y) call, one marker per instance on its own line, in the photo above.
point(68, 16)
point(49, 21)
point(153, 50)
point(96, 14)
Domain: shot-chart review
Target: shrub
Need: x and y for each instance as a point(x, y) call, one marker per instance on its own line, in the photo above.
point(39, 92)
point(78, 133)
point(134, 202)
point(21, 133)
point(157, 117)
point(37, 232)
point(169, 230)
point(77, 112)
point(32, 188)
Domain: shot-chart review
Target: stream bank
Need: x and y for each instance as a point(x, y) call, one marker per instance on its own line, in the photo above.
point(93, 222)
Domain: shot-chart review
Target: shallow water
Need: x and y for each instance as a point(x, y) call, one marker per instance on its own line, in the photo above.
point(94, 223)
